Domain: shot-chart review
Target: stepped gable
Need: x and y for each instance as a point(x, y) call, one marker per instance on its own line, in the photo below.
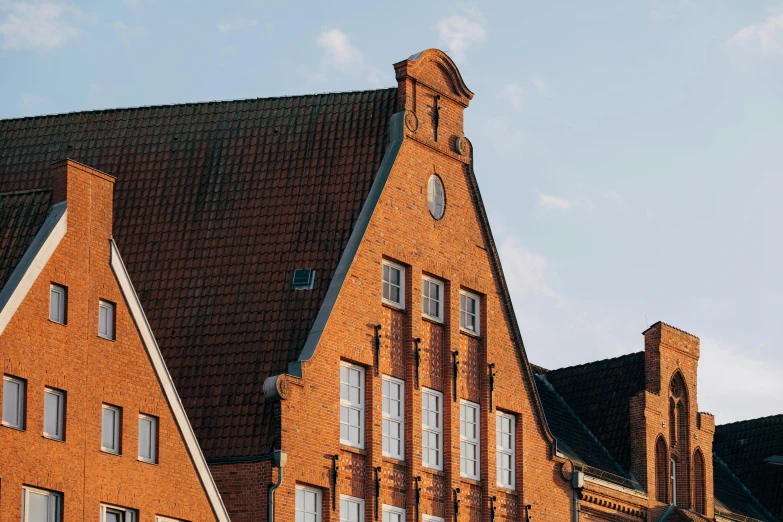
point(599, 394)
point(21, 216)
point(216, 204)
point(745, 447)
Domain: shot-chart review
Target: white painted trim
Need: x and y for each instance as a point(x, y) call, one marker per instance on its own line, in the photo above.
point(33, 262)
point(401, 270)
point(442, 289)
point(134, 305)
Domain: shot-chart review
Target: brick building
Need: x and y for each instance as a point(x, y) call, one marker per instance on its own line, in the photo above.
point(90, 416)
point(320, 276)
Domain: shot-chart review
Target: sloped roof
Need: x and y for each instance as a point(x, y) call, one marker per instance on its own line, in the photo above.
point(599, 394)
point(215, 206)
point(732, 494)
point(21, 216)
point(744, 446)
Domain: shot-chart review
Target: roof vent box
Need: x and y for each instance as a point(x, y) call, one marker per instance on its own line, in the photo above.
point(303, 279)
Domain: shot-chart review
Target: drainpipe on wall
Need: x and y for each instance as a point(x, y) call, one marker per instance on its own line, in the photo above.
point(279, 460)
point(577, 483)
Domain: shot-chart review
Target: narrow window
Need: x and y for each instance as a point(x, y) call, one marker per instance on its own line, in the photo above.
point(661, 476)
point(469, 440)
point(393, 284)
point(393, 418)
point(106, 320)
point(351, 405)
point(351, 509)
point(57, 303)
point(117, 514)
point(13, 402)
point(432, 298)
point(148, 438)
point(308, 504)
point(54, 414)
point(110, 430)
point(431, 429)
point(699, 486)
point(673, 465)
point(40, 505)
point(436, 197)
point(469, 312)
point(393, 514)
point(506, 455)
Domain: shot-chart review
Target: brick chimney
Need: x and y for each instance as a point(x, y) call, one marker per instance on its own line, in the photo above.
point(90, 197)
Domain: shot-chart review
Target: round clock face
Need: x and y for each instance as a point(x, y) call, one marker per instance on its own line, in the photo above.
point(436, 197)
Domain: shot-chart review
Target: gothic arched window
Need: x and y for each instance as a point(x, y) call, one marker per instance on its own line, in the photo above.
point(699, 486)
point(679, 431)
point(661, 471)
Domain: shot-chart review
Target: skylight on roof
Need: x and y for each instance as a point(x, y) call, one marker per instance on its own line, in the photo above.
point(303, 279)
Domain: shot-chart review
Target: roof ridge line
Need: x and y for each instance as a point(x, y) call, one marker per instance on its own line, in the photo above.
point(766, 417)
point(716, 457)
point(564, 403)
point(595, 362)
point(186, 104)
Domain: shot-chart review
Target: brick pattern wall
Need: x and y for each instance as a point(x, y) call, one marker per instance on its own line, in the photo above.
point(244, 488)
point(92, 371)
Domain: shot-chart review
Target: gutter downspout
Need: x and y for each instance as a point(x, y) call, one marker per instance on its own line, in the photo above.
point(279, 460)
point(577, 483)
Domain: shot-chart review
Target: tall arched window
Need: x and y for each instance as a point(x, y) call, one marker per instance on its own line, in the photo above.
point(672, 422)
point(699, 486)
point(661, 471)
point(679, 433)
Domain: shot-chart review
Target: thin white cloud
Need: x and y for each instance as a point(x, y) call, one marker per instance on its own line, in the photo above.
point(126, 32)
point(547, 202)
point(514, 93)
point(29, 101)
point(37, 25)
point(506, 139)
point(237, 23)
point(766, 36)
point(456, 34)
point(526, 272)
point(340, 55)
point(539, 84)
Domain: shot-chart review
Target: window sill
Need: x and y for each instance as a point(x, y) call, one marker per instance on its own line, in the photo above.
point(106, 338)
point(152, 463)
point(392, 460)
point(393, 306)
point(57, 322)
point(433, 471)
point(504, 489)
point(469, 333)
point(352, 449)
point(55, 439)
point(11, 426)
point(433, 320)
point(108, 452)
point(469, 480)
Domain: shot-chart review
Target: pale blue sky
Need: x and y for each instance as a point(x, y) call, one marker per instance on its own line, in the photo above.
point(629, 153)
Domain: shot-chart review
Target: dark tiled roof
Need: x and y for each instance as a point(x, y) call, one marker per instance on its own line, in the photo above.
point(567, 428)
point(730, 492)
point(216, 204)
point(21, 216)
point(599, 393)
point(743, 446)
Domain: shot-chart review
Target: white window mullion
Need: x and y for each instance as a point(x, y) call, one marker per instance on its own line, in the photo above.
point(307, 504)
point(393, 291)
point(40, 505)
point(469, 440)
point(393, 418)
point(432, 429)
point(505, 430)
point(432, 298)
point(351, 509)
point(351, 405)
point(393, 514)
point(469, 316)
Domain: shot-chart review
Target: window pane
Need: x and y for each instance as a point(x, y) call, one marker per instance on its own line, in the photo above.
point(145, 438)
point(12, 391)
point(52, 413)
point(37, 507)
point(109, 429)
point(113, 516)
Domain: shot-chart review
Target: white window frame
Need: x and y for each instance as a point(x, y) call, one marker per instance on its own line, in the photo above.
point(153, 459)
point(54, 500)
point(502, 450)
point(347, 404)
point(386, 508)
point(58, 294)
point(388, 419)
point(431, 518)
point(21, 400)
point(167, 519)
point(318, 502)
point(127, 514)
point(117, 450)
point(60, 394)
point(465, 440)
point(477, 315)
point(352, 500)
point(427, 280)
point(384, 282)
point(111, 311)
point(427, 430)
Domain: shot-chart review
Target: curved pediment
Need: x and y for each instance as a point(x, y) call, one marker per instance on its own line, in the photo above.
point(436, 70)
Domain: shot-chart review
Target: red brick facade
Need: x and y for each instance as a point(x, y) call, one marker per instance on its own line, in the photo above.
point(92, 371)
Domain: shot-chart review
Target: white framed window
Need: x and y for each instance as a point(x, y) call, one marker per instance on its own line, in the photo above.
point(117, 514)
point(351, 405)
point(436, 197)
point(432, 298)
point(40, 505)
point(148, 438)
point(308, 504)
point(392, 514)
point(393, 284)
point(431, 429)
point(54, 414)
point(469, 437)
point(57, 303)
point(469, 312)
point(393, 418)
point(111, 426)
point(13, 402)
point(431, 518)
point(351, 509)
point(106, 322)
point(505, 430)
